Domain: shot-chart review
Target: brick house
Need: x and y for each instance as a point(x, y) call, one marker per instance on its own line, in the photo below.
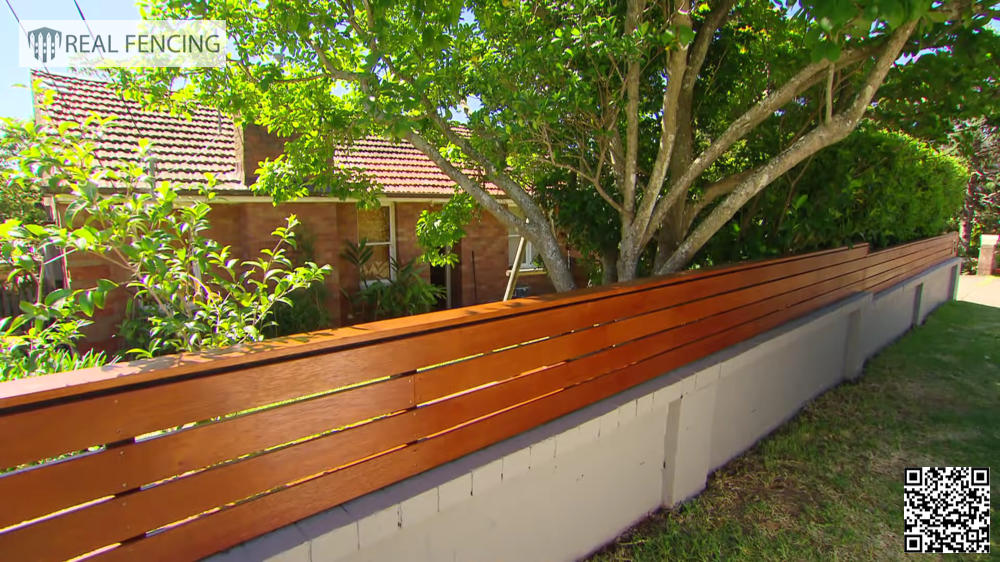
point(210, 142)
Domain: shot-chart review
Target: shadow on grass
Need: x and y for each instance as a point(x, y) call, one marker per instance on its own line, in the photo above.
point(828, 485)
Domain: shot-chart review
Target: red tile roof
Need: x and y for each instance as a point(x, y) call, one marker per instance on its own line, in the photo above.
point(399, 168)
point(186, 149)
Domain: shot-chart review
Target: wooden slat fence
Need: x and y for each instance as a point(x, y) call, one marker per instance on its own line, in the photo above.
point(180, 457)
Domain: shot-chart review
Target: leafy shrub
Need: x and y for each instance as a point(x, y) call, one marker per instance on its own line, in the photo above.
point(188, 292)
point(18, 199)
point(978, 142)
point(875, 186)
point(42, 338)
point(439, 230)
point(405, 294)
point(306, 308)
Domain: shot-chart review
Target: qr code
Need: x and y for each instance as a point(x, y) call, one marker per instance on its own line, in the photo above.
point(947, 510)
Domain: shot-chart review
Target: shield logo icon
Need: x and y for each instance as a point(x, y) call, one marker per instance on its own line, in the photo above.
point(43, 42)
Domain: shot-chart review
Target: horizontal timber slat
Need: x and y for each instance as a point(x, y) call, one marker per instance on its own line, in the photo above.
point(116, 520)
point(63, 428)
point(888, 279)
point(368, 406)
point(33, 493)
point(433, 384)
point(255, 517)
point(77, 383)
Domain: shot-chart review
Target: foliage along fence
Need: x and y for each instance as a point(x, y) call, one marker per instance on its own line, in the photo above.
point(12, 293)
point(191, 455)
point(10, 299)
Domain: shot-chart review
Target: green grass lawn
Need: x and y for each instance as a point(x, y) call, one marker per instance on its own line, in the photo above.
point(828, 485)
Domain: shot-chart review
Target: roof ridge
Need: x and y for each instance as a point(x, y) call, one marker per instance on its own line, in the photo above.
point(42, 73)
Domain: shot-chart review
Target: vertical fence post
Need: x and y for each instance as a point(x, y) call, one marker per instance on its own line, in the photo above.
point(987, 254)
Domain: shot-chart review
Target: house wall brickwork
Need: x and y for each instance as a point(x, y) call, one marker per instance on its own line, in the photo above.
point(247, 226)
point(347, 275)
point(85, 270)
point(410, 181)
point(486, 244)
point(407, 247)
point(483, 260)
point(485, 241)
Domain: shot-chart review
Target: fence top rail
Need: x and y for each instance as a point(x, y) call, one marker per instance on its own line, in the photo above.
point(43, 389)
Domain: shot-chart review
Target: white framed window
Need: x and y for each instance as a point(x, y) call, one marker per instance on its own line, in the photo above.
point(529, 261)
point(378, 228)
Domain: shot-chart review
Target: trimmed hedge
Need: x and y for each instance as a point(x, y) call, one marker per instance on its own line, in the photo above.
point(877, 186)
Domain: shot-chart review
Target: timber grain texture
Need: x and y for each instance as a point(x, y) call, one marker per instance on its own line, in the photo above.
point(181, 457)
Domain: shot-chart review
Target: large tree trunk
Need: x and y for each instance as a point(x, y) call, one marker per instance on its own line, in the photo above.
point(628, 254)
point(609, 266)
point(556, 263)
point(671, 234)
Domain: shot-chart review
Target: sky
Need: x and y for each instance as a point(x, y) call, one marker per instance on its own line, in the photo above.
point(16, 102)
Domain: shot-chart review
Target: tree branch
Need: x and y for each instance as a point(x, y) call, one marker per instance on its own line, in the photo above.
point(829, 93)
point(676, 65)
point(633, 12)
point(481, 196)
point(713, 191)
point(331, 70)
point(518, 194)
point(592, 177)
point(739, 128)
point(472, 187)
point(821, 136)
point(683, 74)
point(702, 41)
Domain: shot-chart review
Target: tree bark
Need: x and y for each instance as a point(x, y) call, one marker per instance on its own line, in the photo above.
point(628, 254)
point(671, 234)
point(534, 230)
point(829, 132)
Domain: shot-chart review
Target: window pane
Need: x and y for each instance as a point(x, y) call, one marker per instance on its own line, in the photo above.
point(378, 266)
point(528, 260)
point(373, 225)
point(512, 249)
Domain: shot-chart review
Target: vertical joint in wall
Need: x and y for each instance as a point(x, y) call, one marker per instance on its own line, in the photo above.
point(953, 282)
point(688, 444)
point(918, 295)
point(854, 352)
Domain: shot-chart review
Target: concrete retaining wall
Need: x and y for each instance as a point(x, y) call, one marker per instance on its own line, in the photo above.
point(562, 490)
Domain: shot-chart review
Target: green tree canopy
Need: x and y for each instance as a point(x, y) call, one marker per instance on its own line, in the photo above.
point(648, 105)
point(955, 78)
